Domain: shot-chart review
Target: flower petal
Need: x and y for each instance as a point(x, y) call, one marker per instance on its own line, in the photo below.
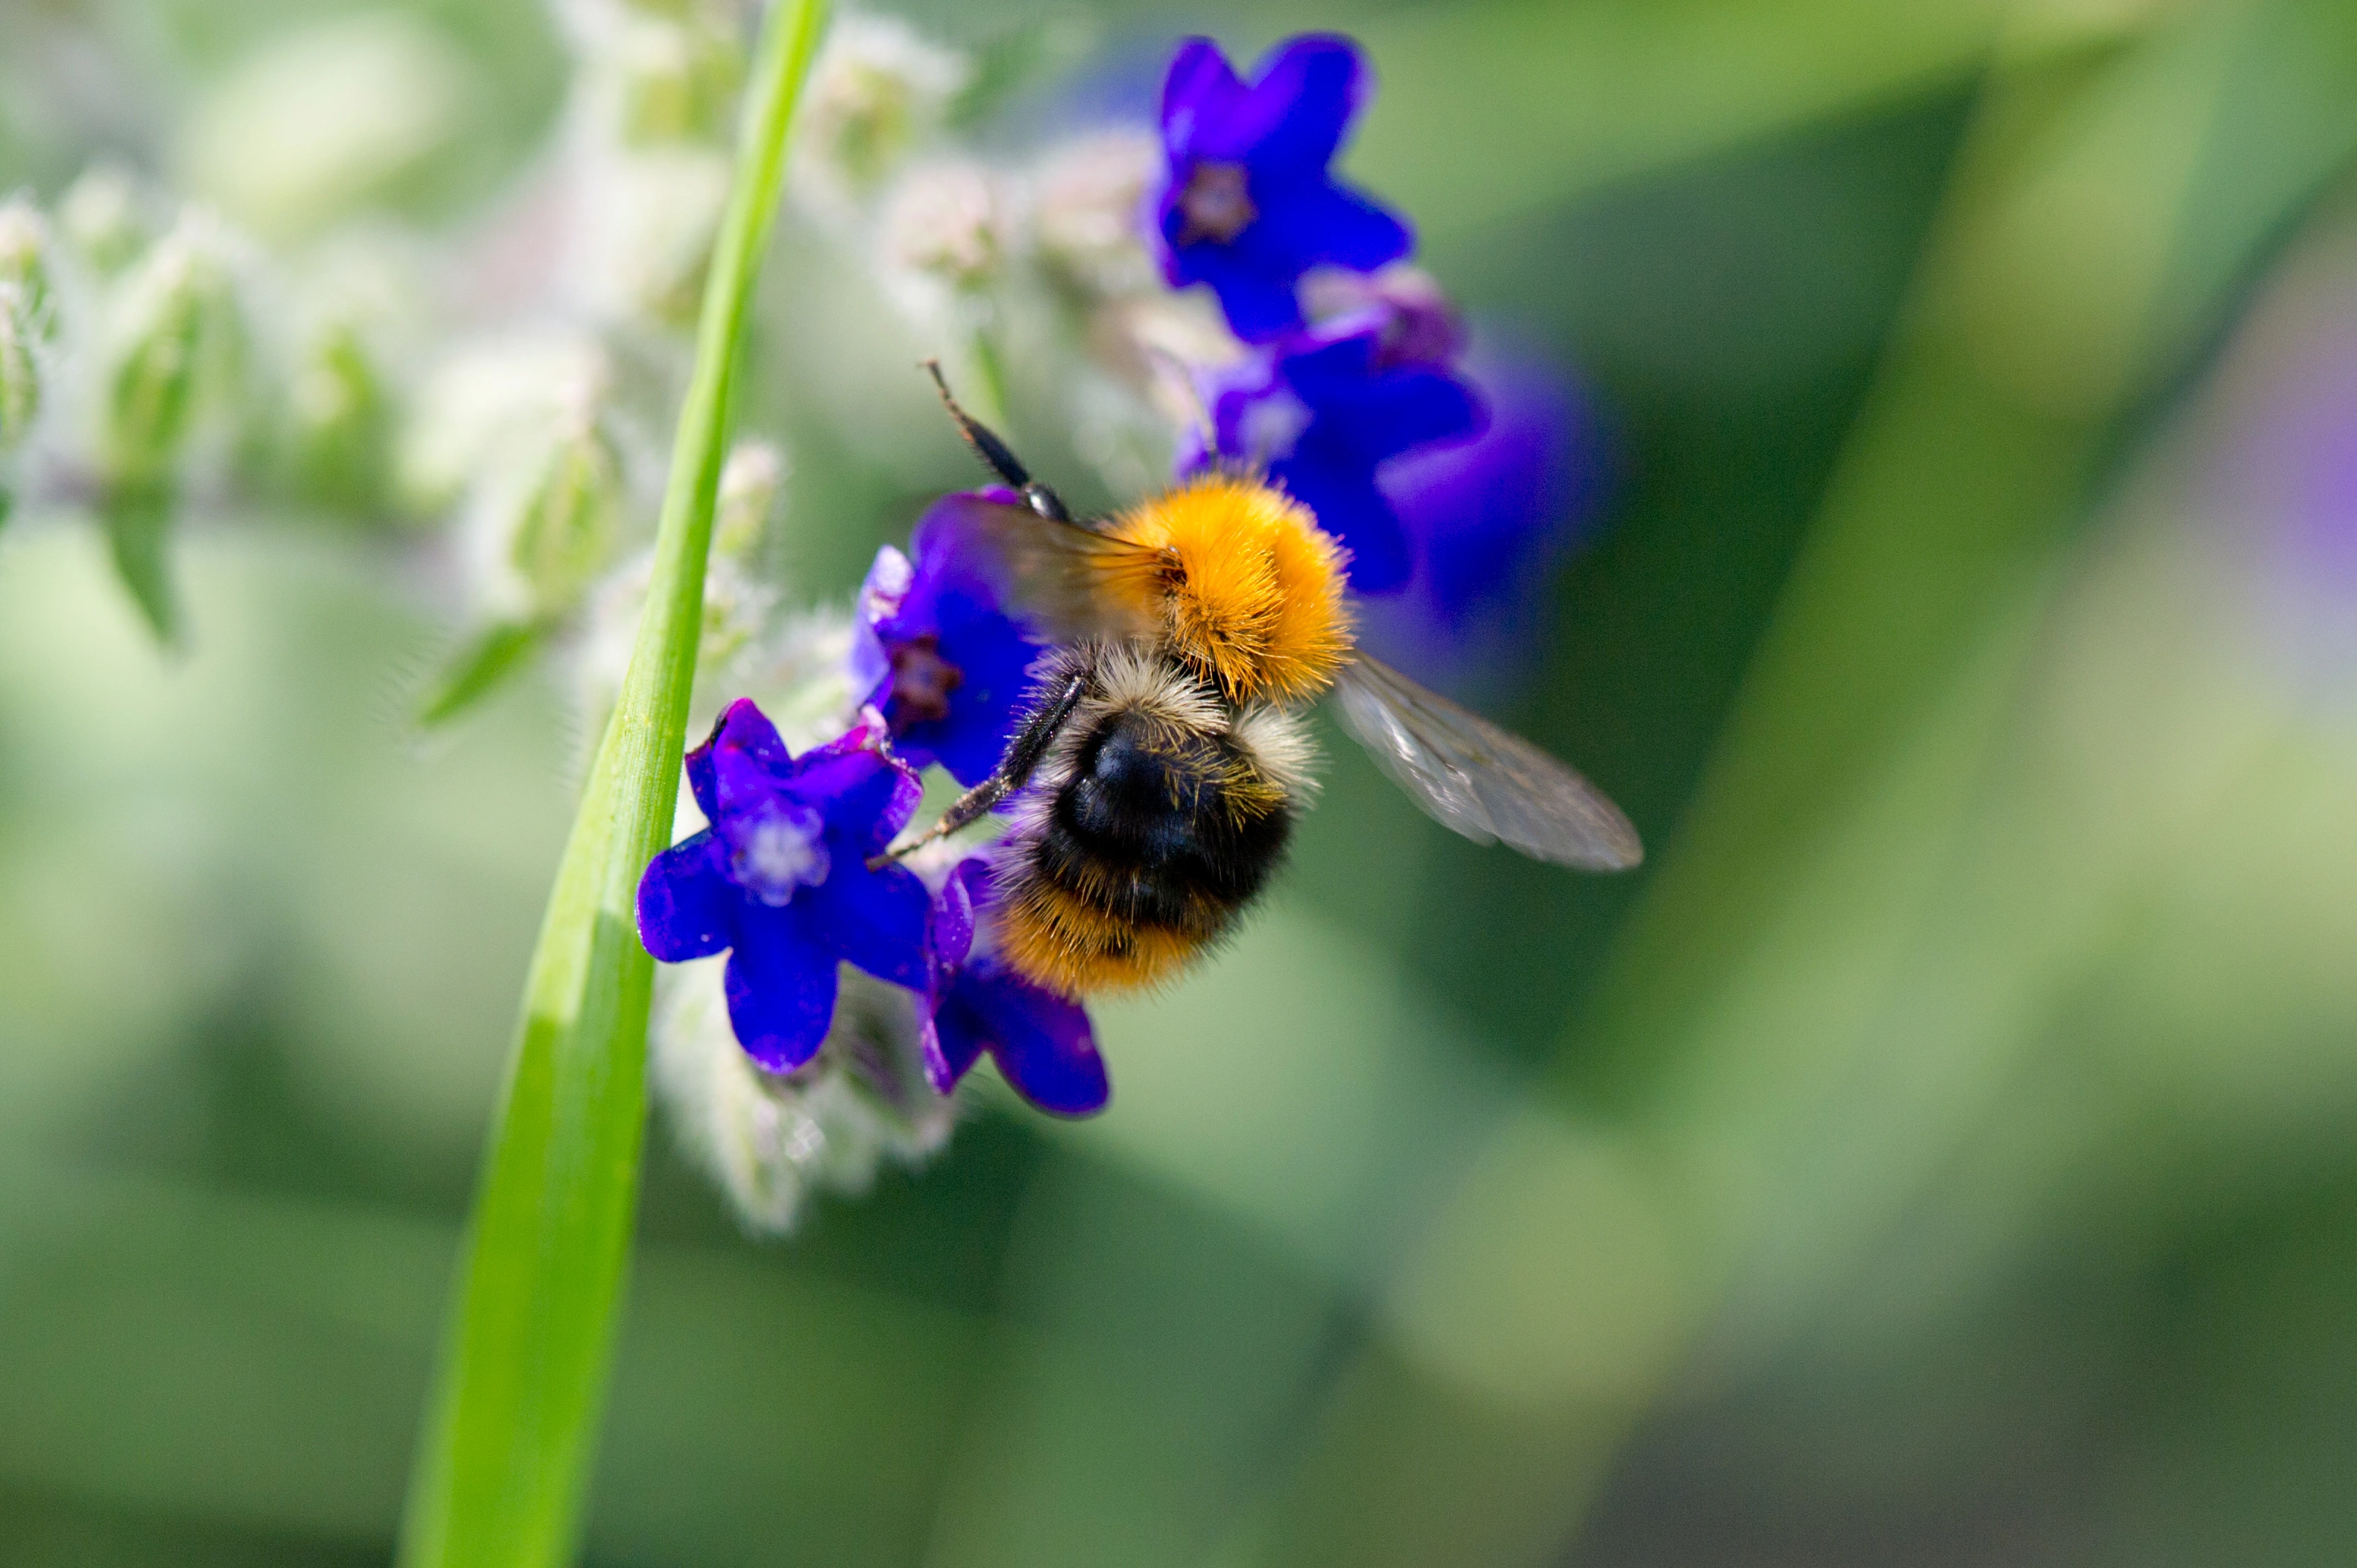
point(949, 1045)
point(1201, 87)
point(687, 905)
point(874, 919)
point(780, 988)
point(1042, 1042)
point(1302, 99)
point(994, 659)
point(1308, 222)
point(1261, 306)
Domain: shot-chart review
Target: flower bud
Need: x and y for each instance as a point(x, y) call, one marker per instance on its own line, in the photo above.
point(571, 518)
point(946, 235)
point(1089, 211)
point(647, 238)
point(337, 416)
point(772, 1140)
point(669, 79)
point(104, 216)
point(174, 324)
point(750, 484)
point(25, 261)
point(876, 92)
point(489, 407)
point(20, 367)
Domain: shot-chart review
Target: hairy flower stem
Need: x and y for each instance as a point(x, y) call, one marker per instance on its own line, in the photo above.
point(511, 1433)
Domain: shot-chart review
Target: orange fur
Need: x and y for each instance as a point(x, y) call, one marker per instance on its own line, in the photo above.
point(1061, 942)
point(1244, 583)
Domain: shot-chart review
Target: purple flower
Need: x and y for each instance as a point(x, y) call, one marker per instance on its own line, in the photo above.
point(1248, 204)
point(935, 651)
point(1488, 521)
point(1042, 1041)
point(779, 880)
point(1321, 413)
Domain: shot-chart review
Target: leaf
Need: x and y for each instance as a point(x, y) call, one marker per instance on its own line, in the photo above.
point(137, 517)
point(482, 666)
point(509, 1439)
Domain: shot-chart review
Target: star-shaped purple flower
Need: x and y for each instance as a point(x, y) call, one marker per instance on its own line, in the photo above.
point(779, 880)
point(1042, 1041)
point(1324, 410)
point(1248, 204)
point(937, 651)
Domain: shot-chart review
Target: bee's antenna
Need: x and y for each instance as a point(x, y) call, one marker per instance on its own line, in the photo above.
point(993, 452)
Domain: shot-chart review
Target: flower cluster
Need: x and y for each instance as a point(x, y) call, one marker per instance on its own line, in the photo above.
point(1355, 355)
point(493, 397)
point(786, 880)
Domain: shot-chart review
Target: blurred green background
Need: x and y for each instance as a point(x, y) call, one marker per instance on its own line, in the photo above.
point(1941, 1153)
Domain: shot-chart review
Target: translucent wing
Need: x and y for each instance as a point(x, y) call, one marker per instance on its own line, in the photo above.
point(1478, 780)
point(1053, 572)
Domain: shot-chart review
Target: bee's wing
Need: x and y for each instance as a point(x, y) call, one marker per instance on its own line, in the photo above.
point(1478, 780)
point(1052, 572)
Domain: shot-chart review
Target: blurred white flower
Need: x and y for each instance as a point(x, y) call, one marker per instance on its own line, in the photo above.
point(646, 226)
point(751, 483)
point(325, 119)
point(771, 1139)
point(877, 90)
point(490, 400)
point(947, 236)
point(174, 341)
point(1088, 212)
point(106, 216)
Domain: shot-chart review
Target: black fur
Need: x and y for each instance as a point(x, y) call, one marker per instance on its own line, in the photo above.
point(1145, 831)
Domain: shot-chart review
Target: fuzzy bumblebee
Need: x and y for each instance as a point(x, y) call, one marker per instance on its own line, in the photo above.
point(1159, 769)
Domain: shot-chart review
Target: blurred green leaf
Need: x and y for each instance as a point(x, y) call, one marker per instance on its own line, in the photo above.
point(138, 520)
point(508, 1443)
point(481, 665)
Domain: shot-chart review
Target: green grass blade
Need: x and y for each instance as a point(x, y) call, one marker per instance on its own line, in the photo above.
point(512, 1429)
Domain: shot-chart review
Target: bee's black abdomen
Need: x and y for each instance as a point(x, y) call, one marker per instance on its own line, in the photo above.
point(1152, 828)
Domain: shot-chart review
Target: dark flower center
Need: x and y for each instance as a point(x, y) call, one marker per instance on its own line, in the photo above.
point(1217, 202)
point(921, 681)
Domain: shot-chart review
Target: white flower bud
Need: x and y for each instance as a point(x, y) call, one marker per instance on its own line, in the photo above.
point(750, 485)
point(20, 366)
point(1088, 212)
point(877, 92)
point(25, 259)
point(172, 329)
point(325, 119)
point(103, 215)
point(489, 407)
point(771, 1139)
point(569, 522)
point(647, 231)
point(946, 236)
point(338, 415)
point(666, 78)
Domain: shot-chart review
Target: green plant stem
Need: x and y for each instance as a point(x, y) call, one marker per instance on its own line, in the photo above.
point(511, 1431)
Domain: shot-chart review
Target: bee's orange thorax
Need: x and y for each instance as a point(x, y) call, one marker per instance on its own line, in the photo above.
point(1243, 582)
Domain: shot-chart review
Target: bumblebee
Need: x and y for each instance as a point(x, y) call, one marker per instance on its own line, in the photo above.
point(1157, 773)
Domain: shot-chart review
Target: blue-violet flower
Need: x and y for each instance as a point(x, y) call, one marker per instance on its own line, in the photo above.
point(1488, 521)
point(1042, 1042)
point(935, 650)
point(779, 879)
point(1248, 204)
point(1323, 411)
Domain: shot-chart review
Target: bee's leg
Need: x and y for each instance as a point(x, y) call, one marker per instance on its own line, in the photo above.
point(992, 451)
point(1014, 769)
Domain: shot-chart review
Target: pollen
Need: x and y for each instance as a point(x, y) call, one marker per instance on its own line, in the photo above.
point(1246, 583)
